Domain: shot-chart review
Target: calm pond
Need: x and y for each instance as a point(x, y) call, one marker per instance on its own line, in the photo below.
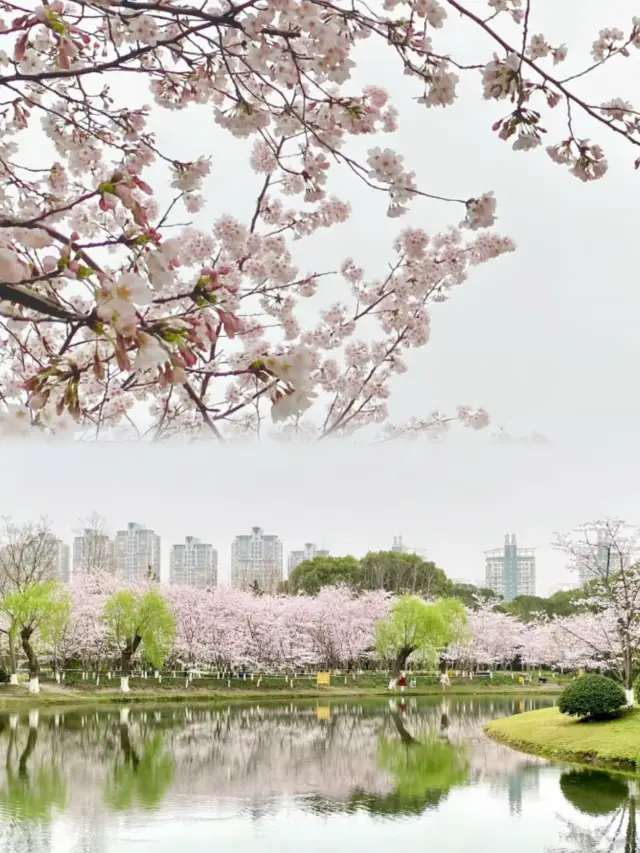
point(368, 777)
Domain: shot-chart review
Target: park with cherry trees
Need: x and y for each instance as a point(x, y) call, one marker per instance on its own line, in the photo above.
point(103, 631)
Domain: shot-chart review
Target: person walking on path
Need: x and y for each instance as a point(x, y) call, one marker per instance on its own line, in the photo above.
point(444, 680)
point(402, 683)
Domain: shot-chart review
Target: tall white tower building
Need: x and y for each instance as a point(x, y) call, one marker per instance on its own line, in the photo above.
point(194, 563)
point(256, 561)
point(137, 553)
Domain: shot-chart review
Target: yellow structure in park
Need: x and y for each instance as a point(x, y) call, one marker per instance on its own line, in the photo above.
point(323, 679)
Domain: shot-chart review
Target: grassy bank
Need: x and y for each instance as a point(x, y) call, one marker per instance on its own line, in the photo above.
point(84, 694)
point(613, 743)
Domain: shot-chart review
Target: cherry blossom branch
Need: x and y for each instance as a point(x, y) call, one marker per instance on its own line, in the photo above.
point(570, 96)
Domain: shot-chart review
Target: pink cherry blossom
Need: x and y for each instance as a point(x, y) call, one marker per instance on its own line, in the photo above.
point(124, 278)
point(226, 628)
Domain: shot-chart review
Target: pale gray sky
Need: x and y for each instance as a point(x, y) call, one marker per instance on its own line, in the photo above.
point(454, 500)
point(545, 339)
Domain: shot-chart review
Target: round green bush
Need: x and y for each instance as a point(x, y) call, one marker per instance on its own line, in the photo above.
point(591, 697)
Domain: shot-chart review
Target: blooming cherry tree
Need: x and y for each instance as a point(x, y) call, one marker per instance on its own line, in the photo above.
point(193, 622)
point(496, 638)
point(228, 628)
point(606, 554)
point(85, 635)
point(123, 306)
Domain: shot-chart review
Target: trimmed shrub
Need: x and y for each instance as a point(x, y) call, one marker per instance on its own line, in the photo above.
point(591, 697)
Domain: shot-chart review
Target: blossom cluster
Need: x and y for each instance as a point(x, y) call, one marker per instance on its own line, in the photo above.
point(230, 628)
point(114, 314)
point(497, 639)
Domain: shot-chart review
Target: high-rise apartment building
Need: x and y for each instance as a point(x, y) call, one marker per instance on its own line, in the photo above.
point(194, 563)
point(61, 561)
point(137, 553)
point(93, 550)
point(256, 561)
point(308, 552)
point(511, 571)
point(398, 546)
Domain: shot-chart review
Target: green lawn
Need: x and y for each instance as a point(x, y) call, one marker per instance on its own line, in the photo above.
point(214, 690)
point(547, 732)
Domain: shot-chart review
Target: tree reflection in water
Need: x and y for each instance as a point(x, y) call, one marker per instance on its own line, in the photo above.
point(600, 795)
point(141, 775)
point(392, 760)
point(31, 793)
point(424, 769)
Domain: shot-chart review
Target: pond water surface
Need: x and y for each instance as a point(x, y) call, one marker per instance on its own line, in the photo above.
point(316, 778)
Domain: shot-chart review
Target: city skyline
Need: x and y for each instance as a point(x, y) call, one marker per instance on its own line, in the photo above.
point(185, 560)
point(196, 563)
point(439, 496)
point(76, 557)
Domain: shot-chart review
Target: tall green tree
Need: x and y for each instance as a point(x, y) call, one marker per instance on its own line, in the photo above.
point(36, 609)
point(472, 596)
point(311, 575)
point(402, 574)
point(413, 626)
point(526, 608)
point(143, 620)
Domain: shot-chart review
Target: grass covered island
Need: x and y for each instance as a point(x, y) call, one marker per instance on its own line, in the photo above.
point(611, 743)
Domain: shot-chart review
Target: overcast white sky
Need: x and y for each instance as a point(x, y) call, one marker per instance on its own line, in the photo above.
point(454, 500)
point(546, 339)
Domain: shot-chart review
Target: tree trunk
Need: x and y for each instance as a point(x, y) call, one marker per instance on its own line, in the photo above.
point(129, 651)
point(32, 660)
point(32, 739)
point(405, 736)
point(13, 661)
point(628, 675)
point(401, 660)
point(130, 754)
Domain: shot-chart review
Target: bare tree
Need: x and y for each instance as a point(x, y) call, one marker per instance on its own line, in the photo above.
point(606, 555)
point(94, 547)
point(28, 554)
